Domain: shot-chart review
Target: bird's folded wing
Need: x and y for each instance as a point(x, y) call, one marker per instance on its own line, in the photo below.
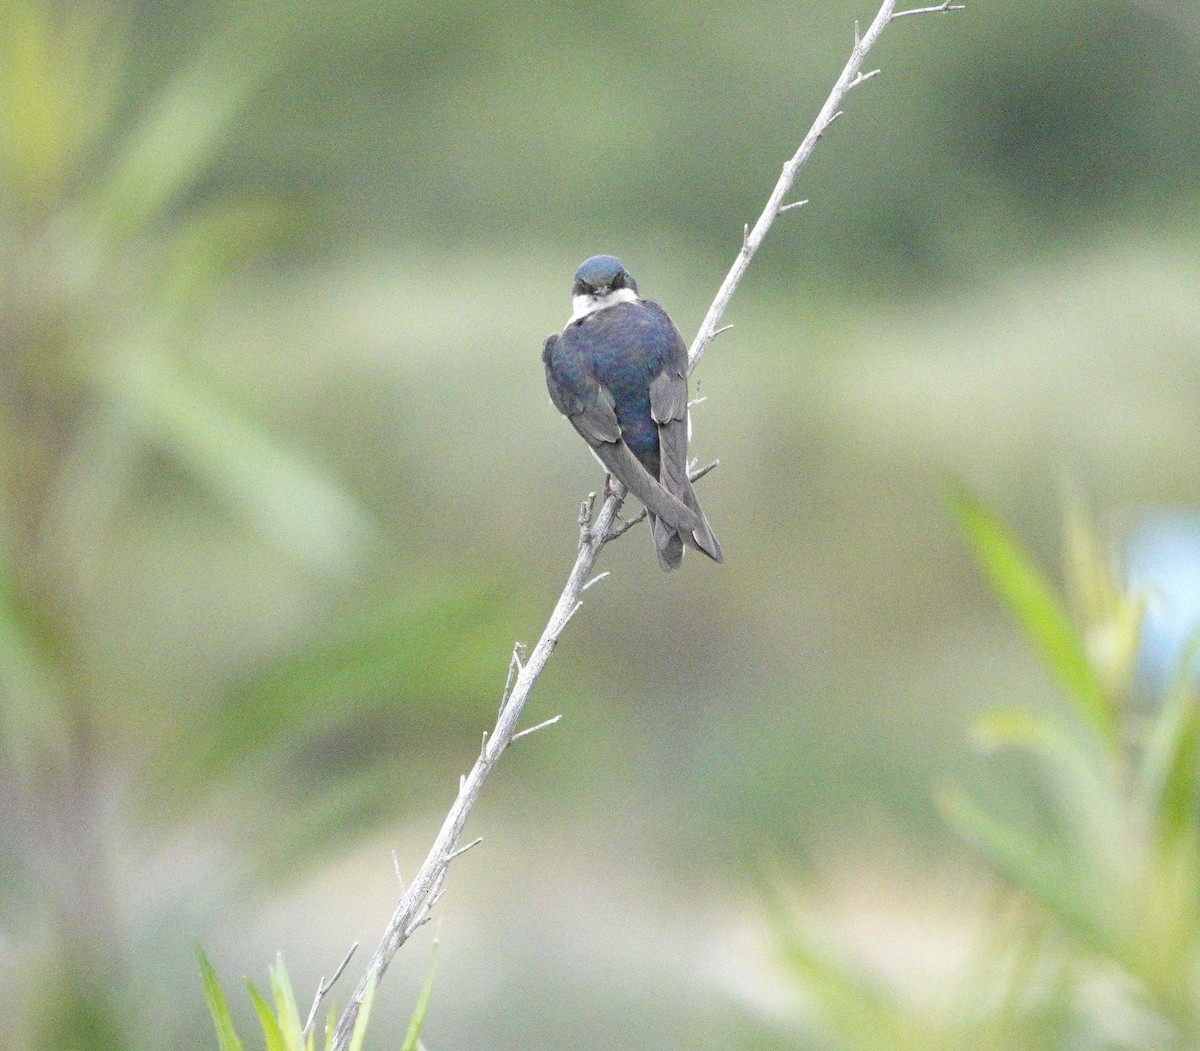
point(668, 406)
point(590, 407)
point(626, 467)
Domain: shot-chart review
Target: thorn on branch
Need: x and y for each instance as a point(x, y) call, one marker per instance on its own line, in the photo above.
point(835, 116)
point(697, 401)
point(396, 866)
point(535, 729)
point(860, 78)
point(515, 667)
point(785, 208)
point(857, 36)
point(416, 924)
point(745, 236)
point(723, 328)
point(461, 851)
point(595, 580)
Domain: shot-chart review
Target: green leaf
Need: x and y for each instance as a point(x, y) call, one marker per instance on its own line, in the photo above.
point(33, 722)
point(272, 1034)
point(431, 642)
point(285, 1006)
point(1080, 778)
point(1031, 599)
point(1167, 777)
point(187, 123)
point(58, 73)
point(413, 1039)
point(289, 500)
point(1071, 892)
point(364, 1013)
point(227, 1038)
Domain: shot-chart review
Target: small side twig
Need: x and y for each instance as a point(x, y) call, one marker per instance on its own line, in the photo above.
point(535, 729)
point(324, 986)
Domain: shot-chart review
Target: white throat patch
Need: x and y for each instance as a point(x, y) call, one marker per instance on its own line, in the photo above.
point(583, 305)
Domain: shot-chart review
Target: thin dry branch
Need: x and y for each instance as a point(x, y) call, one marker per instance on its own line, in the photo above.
point(595, 530)
point(324, 985)
point(850, 78)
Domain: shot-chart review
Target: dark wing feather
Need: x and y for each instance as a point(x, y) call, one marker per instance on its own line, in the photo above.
point(590, 408)
point(626, 468)
point(668, 406)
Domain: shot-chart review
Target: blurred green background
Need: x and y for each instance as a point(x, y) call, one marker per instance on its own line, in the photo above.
point(280, 482)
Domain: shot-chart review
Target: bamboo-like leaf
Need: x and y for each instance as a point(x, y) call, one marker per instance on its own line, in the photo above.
point(413, 1038)
point(184, 126)
point(288, 499)
point(1168, 775)
point(1081, 780)
point(429, 643)
point(273, 1036)
point(364, 1013)
point(1071, 894)
point(57, 77)
point(227, 1038)
point(285, 1006)
point(1111, 612)
point(1031, 599)
point(32, 718)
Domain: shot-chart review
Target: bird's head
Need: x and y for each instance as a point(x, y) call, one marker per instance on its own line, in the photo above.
point(601, 282)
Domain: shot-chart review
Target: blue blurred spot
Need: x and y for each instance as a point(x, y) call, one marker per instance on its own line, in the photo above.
point(1163, 557)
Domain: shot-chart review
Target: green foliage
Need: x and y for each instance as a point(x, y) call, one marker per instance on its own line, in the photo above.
point(282, 1026)
point(227, 1038)
point(1106, 860)
point(412, 1039)
point(1028, 594)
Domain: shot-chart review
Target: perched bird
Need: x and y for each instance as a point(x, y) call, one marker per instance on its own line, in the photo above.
point(618, 372)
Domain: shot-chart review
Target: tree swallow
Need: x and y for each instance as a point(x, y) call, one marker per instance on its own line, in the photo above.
point(618, 372)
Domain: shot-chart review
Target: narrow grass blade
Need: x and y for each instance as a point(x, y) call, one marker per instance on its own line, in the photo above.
point(285, 1006)
point(412, 1040)
point(272, 1033)
point(227, 1038)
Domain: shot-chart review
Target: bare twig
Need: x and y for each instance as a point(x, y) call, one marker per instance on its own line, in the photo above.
point(596, 528)
point(535, 729)
point(624, 525)
point(478, 839)
point(948, 5)
point(324, 986)
point(829, 112)
point(417, 901)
